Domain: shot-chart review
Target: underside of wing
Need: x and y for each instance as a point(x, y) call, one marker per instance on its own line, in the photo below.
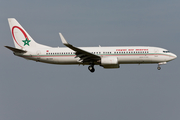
point(84, 56)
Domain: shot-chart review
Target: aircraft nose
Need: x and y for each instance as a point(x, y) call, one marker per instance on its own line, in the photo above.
point(174, 56)
point(171, 57)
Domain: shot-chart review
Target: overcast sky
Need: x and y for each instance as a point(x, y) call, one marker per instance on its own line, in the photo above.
point(37, 91)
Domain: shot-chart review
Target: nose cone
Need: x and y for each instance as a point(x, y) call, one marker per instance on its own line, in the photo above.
point(174, 56)
point(171, 57)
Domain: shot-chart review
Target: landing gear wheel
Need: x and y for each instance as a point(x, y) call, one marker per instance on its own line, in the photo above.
point(91, 69)
point(158, 67)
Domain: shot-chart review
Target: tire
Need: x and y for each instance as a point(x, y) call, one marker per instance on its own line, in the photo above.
point(159, 68)
point(91, 69)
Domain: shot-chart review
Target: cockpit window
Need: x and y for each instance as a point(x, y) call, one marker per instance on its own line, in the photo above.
point(166, 51)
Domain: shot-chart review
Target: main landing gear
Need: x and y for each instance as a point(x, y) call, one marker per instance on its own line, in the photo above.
point(91, 68)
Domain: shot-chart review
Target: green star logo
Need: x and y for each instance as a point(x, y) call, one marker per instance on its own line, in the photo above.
point(26, 42)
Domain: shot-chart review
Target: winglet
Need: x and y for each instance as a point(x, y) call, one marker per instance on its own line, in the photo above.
point(63, 39)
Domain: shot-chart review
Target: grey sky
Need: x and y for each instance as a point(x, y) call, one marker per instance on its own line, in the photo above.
point(38, 91)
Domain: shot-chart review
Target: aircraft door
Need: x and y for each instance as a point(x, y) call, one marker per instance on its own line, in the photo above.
point(38, 54)
point(156, 52)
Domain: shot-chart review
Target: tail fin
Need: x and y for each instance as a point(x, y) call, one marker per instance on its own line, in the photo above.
point(21, 38)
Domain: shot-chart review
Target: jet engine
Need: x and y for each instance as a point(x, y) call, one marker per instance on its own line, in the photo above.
point(109, 62)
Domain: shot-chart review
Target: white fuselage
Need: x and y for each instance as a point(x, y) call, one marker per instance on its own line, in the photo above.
point(125, 55)
point(107, 57)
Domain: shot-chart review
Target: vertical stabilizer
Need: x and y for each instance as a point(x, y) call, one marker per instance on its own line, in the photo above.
point(20, 37)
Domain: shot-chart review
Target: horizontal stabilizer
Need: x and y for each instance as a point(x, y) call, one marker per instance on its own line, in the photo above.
point(16, 50)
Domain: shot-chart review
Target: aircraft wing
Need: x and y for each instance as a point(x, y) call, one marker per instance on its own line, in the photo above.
point(84, 56)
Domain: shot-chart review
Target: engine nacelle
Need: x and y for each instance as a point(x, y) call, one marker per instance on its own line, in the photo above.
point(109, 62)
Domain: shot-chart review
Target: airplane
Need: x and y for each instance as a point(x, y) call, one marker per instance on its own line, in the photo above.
point(106, 57)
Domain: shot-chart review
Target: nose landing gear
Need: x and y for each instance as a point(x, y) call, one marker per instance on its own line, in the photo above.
point(159, 68)
point(161, 63)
